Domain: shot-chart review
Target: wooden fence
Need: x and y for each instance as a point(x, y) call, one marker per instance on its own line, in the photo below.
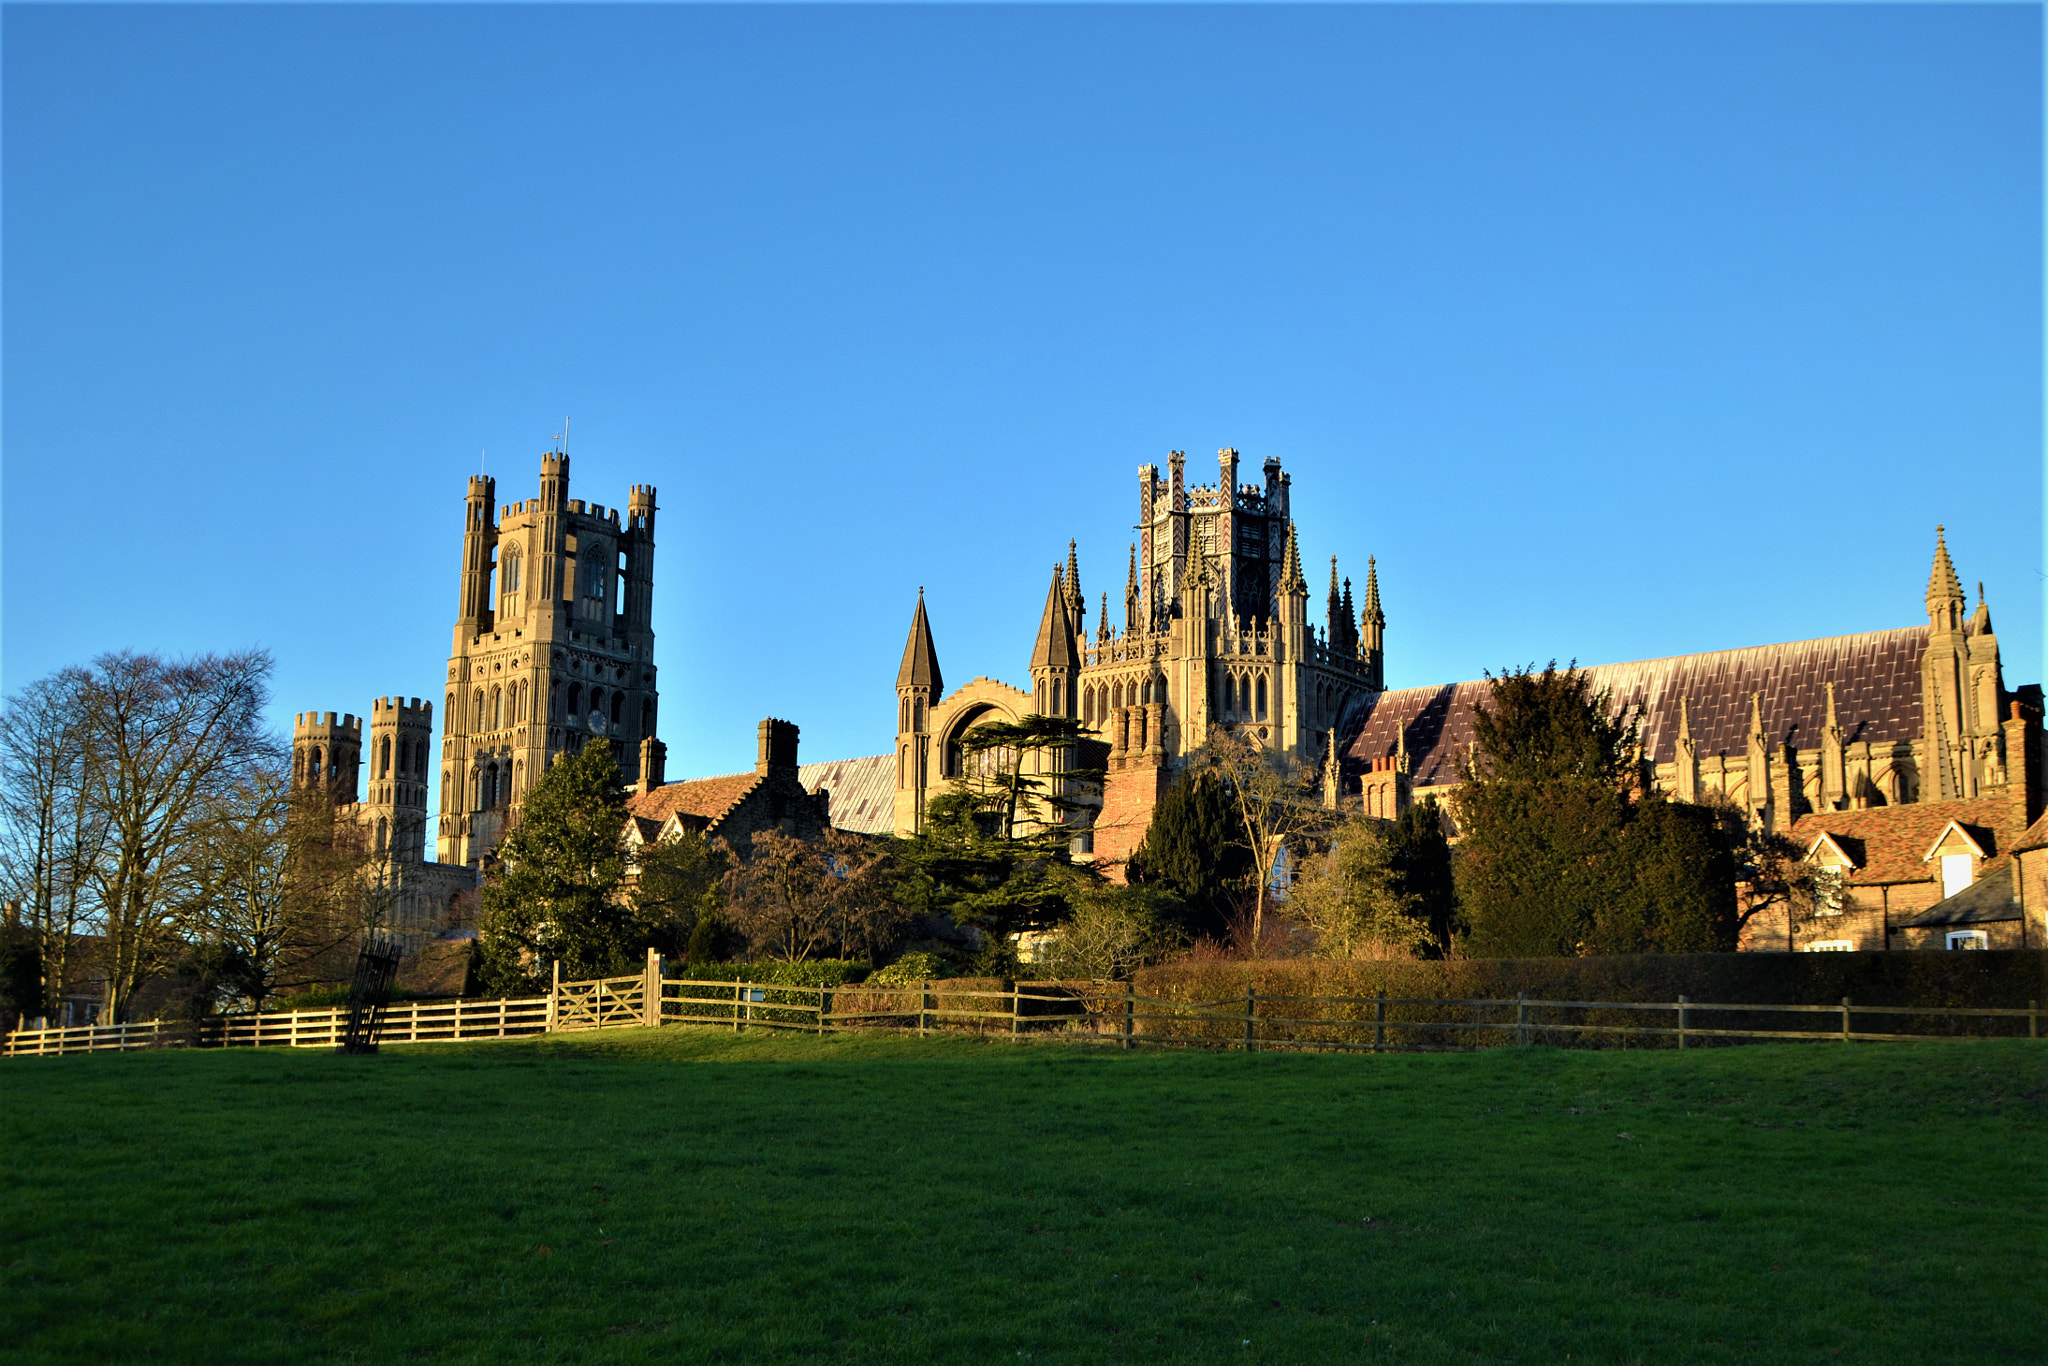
point(1101, 1012)
point(404, 1022)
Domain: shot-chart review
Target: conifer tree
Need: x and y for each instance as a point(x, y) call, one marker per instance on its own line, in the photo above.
point(555, 896)
point(1195, 848)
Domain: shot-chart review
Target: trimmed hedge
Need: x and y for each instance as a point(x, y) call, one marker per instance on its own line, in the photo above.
point(825, 972)
point(1997, 979)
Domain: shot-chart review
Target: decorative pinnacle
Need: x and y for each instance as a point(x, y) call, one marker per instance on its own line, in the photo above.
point(1942, 583)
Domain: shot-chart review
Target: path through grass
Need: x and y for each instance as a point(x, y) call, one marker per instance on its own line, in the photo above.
point(695, 1196)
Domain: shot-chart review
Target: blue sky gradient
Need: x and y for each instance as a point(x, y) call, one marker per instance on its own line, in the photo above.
point(1612, 332)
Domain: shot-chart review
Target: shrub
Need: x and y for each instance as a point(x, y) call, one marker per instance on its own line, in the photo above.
point(912, 968)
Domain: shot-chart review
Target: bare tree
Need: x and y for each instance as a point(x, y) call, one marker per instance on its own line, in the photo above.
point(1275, 798)
point(795, 897)
point(165, 741)
point(50, 834)
point(281, 882)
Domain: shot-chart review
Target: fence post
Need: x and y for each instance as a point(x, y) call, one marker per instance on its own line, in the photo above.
point(1681, 1024)
point(1016, 1007)
point(1130, 1013)
point(822, 1001)
point(650, 991)
point(924, 994)
point(1250, 1005)
point(1845, 1019)
point(554, 997)
point(2033, 1019)
point(1379, 1020)
point(1521, 1019)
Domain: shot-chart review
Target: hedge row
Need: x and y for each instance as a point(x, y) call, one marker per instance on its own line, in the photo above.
point(1935, 980)
point(1955, 980)
point(825, 972)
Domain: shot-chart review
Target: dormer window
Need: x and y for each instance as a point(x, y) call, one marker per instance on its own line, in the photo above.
point(1830, 891)
point(1960, 851)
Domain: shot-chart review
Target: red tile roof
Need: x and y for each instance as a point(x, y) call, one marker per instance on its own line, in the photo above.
point(1892, 841)
point(707, 799)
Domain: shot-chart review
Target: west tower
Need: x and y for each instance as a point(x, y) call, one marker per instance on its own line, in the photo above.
point(553, 648)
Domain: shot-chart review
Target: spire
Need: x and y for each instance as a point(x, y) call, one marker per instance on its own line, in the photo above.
point(1102, 622)
point(1055, 645)
point(1372, 616)
point(1291, 580)
point(1942, 584)
point(1831, 725)
point(1980, 620)
point(1131, 592)
point(920, 660)
point(1685, 714)
point(1349, 616)
point(1336, 598)
point(1077, 606)
point(1756, 716)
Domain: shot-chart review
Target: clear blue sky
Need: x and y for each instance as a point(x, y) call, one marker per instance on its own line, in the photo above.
point(1613, 332)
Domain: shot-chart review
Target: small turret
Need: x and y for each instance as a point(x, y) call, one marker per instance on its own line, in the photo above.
point(1077, 606)
point(1945, 600)
point(1372, 628)
point(1054, 663)
point(327, 753)
point(1133, 611)
point(918, 683)
point(479, 542)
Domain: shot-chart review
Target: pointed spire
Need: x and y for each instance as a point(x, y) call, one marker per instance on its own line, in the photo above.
point(1291, 580)
point(1102, 623)
point(1942, 583)
point(920, 659)
point(1756, 715)
point(1372, 616)
point(1077, 605)
point(1336, 598)
point(1055, 645)
point(1685, 715)
point(1131, 594)
point(1831, 725)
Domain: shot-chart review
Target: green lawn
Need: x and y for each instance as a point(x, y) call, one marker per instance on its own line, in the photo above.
point(695, 1196)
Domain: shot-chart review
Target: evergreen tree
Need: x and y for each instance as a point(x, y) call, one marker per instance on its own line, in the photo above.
point(555, 896)
point(1542, 813)
point(1419, 859)
point(1561, 855)
point(1195, 848)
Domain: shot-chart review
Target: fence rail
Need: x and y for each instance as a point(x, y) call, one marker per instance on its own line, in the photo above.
point(1101, 1012)
point(404, 1022)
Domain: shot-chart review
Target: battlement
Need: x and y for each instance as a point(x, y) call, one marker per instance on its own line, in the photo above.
point(415, 712)
point(483, 487)
point(640, 498)
point(324, 722)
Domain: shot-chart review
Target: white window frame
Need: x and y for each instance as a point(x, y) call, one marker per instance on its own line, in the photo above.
point(1830, 946)
point(1958, 871)
point(1968, 939)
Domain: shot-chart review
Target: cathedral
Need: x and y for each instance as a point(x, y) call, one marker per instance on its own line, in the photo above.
point(1215, 632)
point(1897, 761)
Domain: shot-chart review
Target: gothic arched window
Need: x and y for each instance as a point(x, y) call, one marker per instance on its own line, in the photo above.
point(1262, 698)
point(497, 709)
point(478, 717)
point(508, 577)
point(384, 757)
point(618, 707)
point(575, 702)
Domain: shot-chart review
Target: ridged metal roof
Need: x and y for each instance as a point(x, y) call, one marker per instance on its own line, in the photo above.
point(863, 791)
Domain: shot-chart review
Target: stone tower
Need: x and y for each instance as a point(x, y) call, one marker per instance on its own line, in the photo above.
point(1961, 696)
point(401, 759)
point(554, 647)
point(327, 752)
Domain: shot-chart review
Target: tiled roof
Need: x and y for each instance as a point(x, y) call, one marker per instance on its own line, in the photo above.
point(1990, 898)
point(707, 799)
point(2036, 836)
point(1894, 840)
point(863, 791)
point(1877, 699)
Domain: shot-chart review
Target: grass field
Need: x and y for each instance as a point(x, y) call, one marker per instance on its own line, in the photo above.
point(694, 1196)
